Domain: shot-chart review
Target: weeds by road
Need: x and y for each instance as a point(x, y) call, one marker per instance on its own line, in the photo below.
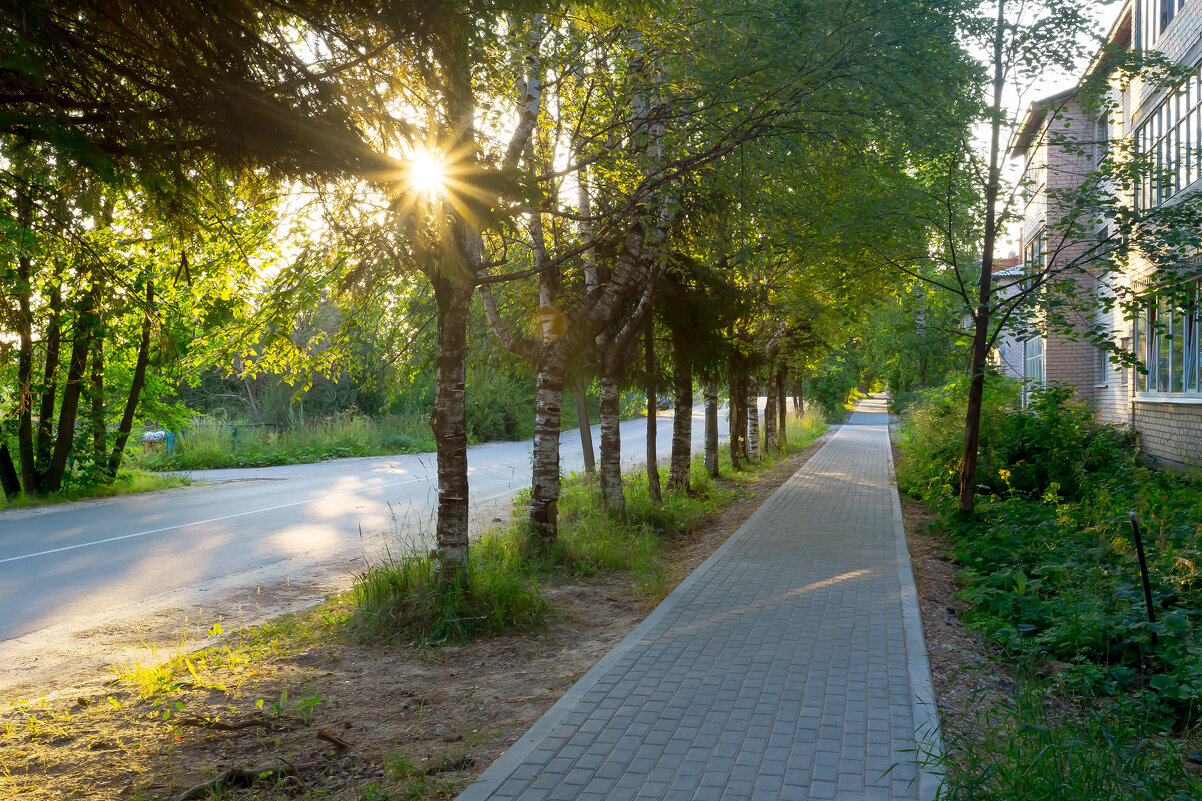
point(128, 482)
point(220, 444)
point(234, 445)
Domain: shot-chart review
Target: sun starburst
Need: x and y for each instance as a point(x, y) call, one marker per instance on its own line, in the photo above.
point(426, 173)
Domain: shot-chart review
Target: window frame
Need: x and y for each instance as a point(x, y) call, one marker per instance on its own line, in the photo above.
point(1169, 350)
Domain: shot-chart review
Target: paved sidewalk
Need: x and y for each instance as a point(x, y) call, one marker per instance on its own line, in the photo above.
point(790, 665)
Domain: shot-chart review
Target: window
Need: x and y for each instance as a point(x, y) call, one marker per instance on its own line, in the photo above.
point(1155, 17)
point(1032, 183)
point(1125, 344)
point(1167, 342)
point(1033, 254)
point(1101, 366)
point(1169, 139)
point(1033, 357)
point(1168, 10)
point(1101, 143)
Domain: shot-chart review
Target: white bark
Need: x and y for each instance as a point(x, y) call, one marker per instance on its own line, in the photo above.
point(711, 429)
point(611, 446)
point(753, 417)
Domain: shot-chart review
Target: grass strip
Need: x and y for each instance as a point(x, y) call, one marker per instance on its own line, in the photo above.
point(128, 482)
point(396, 597)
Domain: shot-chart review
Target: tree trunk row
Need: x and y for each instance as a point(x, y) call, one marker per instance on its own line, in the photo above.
point(46, 453)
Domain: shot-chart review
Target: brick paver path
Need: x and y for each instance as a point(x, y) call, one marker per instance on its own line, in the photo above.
point(789, 666)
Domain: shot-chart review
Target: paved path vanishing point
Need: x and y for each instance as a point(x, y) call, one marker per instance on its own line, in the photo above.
point(790, 665)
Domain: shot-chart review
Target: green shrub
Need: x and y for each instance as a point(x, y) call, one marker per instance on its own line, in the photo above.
point(832, 385)
point(1048, 562)
point(499, 407)
point(1055, 442)
point(237, 444)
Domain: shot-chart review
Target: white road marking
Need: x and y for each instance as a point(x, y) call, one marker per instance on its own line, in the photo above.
point(209, 520)
point(147, 532)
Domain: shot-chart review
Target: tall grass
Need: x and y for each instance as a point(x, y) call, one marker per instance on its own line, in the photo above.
point(397, 597)
point(1049, 573)
point(236, 445)
point(1022, 748)
point(500, 416)
point(128, 482)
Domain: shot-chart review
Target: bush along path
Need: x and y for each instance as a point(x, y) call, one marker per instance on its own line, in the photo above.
point(379, 693)
point(1105, 704)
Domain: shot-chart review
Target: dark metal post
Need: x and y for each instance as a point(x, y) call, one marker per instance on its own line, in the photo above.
point(1143, 570)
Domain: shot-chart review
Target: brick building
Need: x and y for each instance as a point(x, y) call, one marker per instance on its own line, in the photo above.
point(1060, 143)
point(1008, 354)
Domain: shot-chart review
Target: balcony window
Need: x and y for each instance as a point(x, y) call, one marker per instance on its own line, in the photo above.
point(1167, 342)
point(1155, 18)
point(1169, 139)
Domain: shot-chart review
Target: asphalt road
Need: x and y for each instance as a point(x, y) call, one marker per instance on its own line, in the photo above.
point(76, 566)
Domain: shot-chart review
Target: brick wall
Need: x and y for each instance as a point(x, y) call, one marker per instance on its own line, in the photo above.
point(1170, 432)
point(1112, 400)
point(1068, 360)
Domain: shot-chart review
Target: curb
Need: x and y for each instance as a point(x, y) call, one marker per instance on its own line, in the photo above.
point(926, 711)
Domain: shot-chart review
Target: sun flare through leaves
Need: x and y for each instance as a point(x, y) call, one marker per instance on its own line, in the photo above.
point(426, 173)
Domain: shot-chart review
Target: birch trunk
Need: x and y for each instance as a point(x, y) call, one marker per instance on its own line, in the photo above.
point(753, 418)
point(682, 416)
point(449, 422)
point(711, 429)
point(781, 408)
point(453, 275)
point(548, 418)
point(611, 446)
point(653, 487)
point(586, 428)
point(771, 444)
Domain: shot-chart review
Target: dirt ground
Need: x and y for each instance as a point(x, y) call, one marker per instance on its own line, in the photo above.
point(967, 681)
point(292, 709)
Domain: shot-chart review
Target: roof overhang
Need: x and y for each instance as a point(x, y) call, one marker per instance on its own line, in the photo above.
point(1119, 36)
point(1034, 119)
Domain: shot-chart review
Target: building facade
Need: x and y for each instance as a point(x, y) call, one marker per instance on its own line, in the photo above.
point(1061, 143)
